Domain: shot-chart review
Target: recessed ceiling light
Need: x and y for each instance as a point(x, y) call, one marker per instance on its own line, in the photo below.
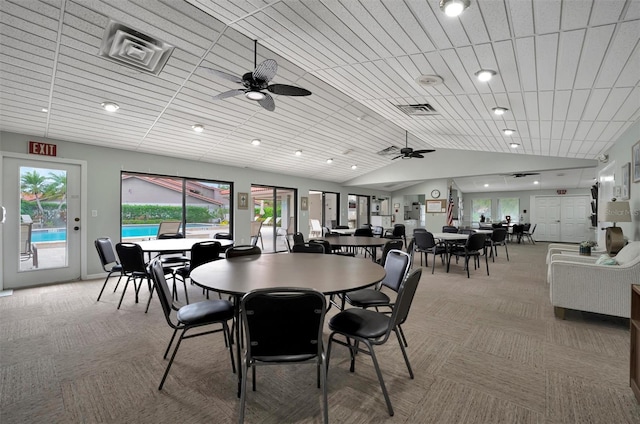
point(361, 118)
point(486, 185)
point(453, 7)
point(514, 145)
point(354, 166)
point(198, 128)
point(110, 106)
point(499, 110)
point(536, 182)
point(44, 109)
point(254, 95)
point(330, 160)
point(508, 131)
point(485, 75)
point(256, 141)
point(298, 152)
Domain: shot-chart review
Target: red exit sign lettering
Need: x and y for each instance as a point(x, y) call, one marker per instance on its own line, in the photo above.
point(45, 149)
point(561, 191)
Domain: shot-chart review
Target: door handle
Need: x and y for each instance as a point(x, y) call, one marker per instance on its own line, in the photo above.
point(76, 228)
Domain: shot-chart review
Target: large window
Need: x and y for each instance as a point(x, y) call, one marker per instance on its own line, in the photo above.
point(509, 207)
point(480, 208)
point(203, 206)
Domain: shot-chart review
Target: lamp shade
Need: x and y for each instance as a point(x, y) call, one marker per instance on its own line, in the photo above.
point(617, 212)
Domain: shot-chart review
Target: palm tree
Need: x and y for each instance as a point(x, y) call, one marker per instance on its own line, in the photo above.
point(57, 188)
point(34, 183)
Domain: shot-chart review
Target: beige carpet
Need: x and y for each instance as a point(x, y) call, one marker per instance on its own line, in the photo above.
point(484, 350)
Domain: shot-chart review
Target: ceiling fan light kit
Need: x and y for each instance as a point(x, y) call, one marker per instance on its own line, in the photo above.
point(514, 145)
point(508, 131)
point(454, 8)
point(198, 128)
point(485, 75)
point(110, 106)
point(407, 152)
point(499, 110)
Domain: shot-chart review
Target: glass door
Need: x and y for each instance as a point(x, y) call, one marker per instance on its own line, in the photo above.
point(276, 212)
point(324, 206)
point(41, 241)
point(358, 212)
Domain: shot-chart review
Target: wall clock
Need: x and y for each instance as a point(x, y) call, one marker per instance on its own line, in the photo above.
point(435, 193)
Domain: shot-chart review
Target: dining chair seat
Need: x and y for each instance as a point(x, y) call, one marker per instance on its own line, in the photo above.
point(203, 312)
point(368, 298)
point(365, 323)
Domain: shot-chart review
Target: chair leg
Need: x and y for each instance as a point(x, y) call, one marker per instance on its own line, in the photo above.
point(486, 261)
point(243, 391)
point(379, 373)
point(466, 264)
point(126, 284)
point(150, 296)
point(404, 339)
point(506, 251)
point(166, 352)
point(166, 371)
point(105, 285)
point(404, 352)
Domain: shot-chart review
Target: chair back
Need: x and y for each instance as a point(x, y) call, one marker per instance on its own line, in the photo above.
point(342, 227)
point(406, 293)
point(298, 238)
point(105, 252)
point(26, 231)
point(399, 230)
point(475, 242)
point(256, 226)
point(526, 227)
point(325, 231)
point(377, 231)
point(308, 248)
point(283, 324)
point(325, 245)
point(131, 258)
point(499, 235)
point(449, 229)
point(466, 231)
point(242, 250)
point(222, 236)
point(518, 229)
point(424, 240)
point(168, 227)
point(162, 288)
point(419, 230)
point(166, 236)
point(396, 267)
point(388, 246)
point(203, 252)
point(533, 229)
point(363, 232)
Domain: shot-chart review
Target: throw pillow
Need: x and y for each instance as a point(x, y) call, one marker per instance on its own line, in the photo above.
point(606, 260)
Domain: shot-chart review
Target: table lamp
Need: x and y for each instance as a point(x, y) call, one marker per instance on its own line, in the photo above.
point(615, 212)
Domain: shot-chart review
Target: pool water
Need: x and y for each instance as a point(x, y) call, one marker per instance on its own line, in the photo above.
point(128, 231)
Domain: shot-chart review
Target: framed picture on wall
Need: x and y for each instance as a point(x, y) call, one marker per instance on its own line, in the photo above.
point(624, 192)
point(635, 162)
point(304, 203)
point(243, 200)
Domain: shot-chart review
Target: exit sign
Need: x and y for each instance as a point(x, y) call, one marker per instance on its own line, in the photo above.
point(561, 191)
point(44, 149)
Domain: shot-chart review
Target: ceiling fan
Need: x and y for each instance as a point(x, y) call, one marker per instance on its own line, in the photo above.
point(258, 80)
point(408, 153)
point(522, 174)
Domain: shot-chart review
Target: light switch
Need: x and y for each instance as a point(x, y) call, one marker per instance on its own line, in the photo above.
point(94, 212)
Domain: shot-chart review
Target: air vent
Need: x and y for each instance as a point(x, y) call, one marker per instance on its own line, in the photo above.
point(391, 150)
point(418, 110)
point(134, 49)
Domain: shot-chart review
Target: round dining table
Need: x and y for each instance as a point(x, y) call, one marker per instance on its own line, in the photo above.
point(328, 274)
point(176, 245)
point(369, 243)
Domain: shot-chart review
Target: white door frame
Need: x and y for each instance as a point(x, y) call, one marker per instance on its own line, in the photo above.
point(532, 206)
point(83, 203)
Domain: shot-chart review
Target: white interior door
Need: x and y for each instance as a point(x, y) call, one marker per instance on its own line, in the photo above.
point(547, 216)
point(575, 219)
point(41, 234)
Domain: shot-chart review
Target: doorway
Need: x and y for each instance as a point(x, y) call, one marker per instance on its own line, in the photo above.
point(324, 207)
point(563, 219)
point(358, 212)
point(42, 232)
point(275, 210)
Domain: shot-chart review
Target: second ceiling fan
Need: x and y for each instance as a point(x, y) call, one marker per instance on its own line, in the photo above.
point(408, 153)
point(258, 80)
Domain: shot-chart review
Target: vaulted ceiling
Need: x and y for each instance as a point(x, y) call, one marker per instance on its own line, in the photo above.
point(567, 71)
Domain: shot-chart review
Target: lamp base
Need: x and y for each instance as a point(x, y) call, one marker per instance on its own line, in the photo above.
point(614, 239)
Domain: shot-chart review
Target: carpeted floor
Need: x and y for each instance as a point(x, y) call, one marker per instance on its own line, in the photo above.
point(484, 350)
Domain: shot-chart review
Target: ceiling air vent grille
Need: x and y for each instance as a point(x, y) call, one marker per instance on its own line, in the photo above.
point(424, 109)
point(391, 150)
point(134, 49)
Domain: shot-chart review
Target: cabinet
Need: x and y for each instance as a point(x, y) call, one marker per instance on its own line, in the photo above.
point(634, 366)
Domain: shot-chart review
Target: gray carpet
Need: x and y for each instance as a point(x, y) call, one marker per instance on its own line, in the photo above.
point(484, 350)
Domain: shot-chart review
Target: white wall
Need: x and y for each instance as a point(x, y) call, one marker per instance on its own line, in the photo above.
point(103, 182)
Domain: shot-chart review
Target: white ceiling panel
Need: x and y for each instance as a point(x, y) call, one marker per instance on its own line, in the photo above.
point(566, 70)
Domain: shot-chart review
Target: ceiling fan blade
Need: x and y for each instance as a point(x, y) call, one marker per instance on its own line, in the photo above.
point(268, 103)
point(288, 90)
point(399, 156)
point(266, 70)
point(416, 155)
point(424, 151)
point(224, 75)
point(229, 93)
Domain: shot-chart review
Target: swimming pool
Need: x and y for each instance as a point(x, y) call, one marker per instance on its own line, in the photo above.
point(128, 231)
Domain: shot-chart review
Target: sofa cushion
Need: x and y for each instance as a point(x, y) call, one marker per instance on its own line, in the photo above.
point(606, 260)
point(628, 253)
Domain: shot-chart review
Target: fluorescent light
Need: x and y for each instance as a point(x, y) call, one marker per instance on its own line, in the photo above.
point(256, 141)
point(354, 166)
point(486, 185)
point(499, 110)
point(485, 75)
point(110, 106)
point(508, 131)
point(514, 145)
point(44, 109)
point(330, 160)
point(254, 95)
point(536, 182)
point(453, 8)
point(298, 152)
point(198, 128)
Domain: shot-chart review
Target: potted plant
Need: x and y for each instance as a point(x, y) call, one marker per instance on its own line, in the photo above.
point(585, 247)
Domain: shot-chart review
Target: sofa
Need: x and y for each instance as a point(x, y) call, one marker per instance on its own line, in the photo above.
point(582, 283)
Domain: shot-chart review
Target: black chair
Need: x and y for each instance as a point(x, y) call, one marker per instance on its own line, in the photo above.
point(298, 238)
point(387, 247)
point(528, 232)
point(242, 250)
point(201, 253)
point(109, 261)
point(424, 243)
point(329, 249)
point(466, 231)
point(373, 328)
point(377, 231)
point(399, 231)
point(449, 229)
point(199, 314)
point(133, 267)
point(308, 248)
point(498, 238)
point(472, 249)
point(363, 232)
point(222, 236)
point(518, 232)
point(283, 326)
point(342, 227)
